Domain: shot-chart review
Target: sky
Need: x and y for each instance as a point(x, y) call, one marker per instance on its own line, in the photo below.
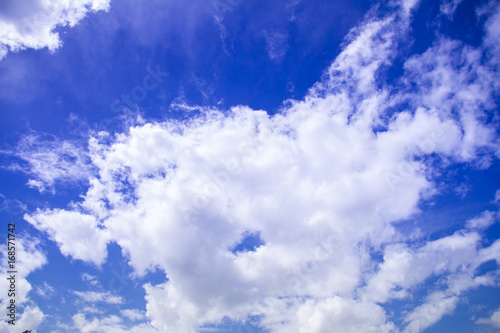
point(251, 166)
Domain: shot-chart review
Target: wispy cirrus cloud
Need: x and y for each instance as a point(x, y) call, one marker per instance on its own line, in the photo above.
point(11, 205)
point(45, 291)
point(48, 159)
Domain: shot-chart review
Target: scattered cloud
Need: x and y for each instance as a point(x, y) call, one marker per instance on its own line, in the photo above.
point(494, 320)
point(92, 310)
point(48, 160)
point(276, 44)
point(448, 7)
point(107, 324)
point(91, 279)
point(11, 205)
point(99, 297)
point(436, 306)
point(88, 277)
point(45, 291)
point(462, 190)
point(133, 314)
point(486, 219)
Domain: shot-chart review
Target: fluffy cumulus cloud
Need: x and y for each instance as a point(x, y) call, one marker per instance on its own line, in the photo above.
point(73, 232)
point(324, 183)
point(30, 24)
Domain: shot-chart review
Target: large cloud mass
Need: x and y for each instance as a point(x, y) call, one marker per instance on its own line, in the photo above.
point(324, 184)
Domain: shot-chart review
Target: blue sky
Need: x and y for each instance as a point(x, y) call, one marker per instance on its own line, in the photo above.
point(251, 166)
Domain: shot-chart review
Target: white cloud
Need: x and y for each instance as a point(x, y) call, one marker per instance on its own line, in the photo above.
point(49, 160)
point(430, 312)
point(452, 79)
point(133, 314)
point(89, 309)
point(31, 24)
point(73, 231)
point(324, 183)
point(492, 32)
point(45, 291)
point(404, 268)
point(462, 263)
point(336, 314)
point(448, 7)
point(486, 219)
point(462, 190)
point(91, 279)
point(29, 258)
point(101, 297)
point(276, 44)
point(11, 205)
point(31, 317)
point(494, 320)
point(88, 277)
point(109, 324)
point(409, 5)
